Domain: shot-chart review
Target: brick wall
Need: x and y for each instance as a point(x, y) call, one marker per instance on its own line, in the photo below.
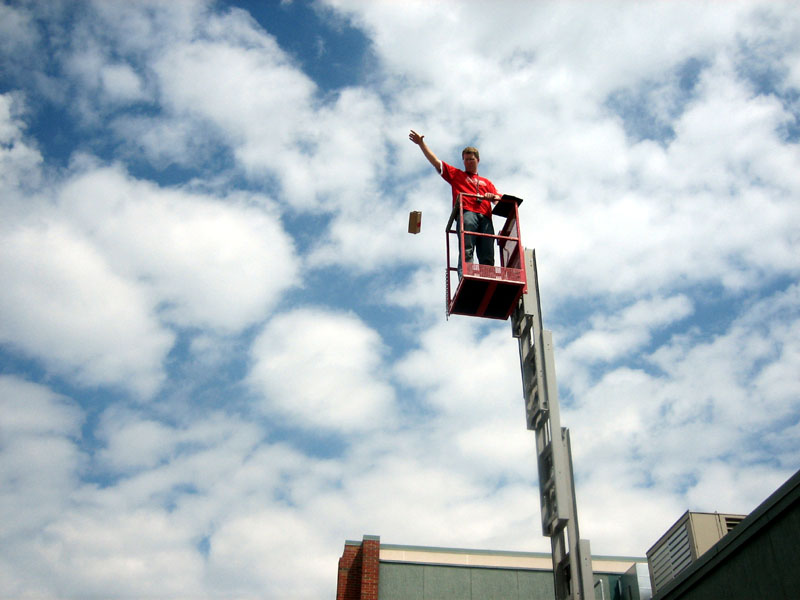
point(358, 570)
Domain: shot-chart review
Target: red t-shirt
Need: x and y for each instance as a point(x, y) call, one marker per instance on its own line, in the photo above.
point(463, 183)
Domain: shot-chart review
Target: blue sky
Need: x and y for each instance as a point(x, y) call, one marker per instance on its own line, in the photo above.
point(221, 354)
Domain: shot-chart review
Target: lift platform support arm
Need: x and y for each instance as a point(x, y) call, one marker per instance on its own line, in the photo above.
point(572, 559)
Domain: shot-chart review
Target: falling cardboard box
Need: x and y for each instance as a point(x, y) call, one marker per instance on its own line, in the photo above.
point(414, 221)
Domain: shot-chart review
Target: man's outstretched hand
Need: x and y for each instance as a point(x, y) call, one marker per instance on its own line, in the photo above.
point(419, 140)
point(415, 137)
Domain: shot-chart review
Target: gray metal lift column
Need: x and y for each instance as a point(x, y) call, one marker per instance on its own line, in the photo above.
point(572, 558)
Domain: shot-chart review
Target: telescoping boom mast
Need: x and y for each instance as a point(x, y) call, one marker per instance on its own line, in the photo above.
point(572, 557)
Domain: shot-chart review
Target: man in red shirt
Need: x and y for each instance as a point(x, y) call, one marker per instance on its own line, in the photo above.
point(477, 211)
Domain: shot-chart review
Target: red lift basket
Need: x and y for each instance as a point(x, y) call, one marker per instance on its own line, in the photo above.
point(485, 290)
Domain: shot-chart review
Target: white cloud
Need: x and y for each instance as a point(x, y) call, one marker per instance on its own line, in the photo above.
point(693, 429)
point(97, 262)
point(121, 83)
point(136, 443)
point(19, 38)
point(63, 304)
point(165, 141)
point(278, 130)
point(16, 28)
point(391, 421)
point(247, 89)
point(135, 549)
point(209, 262)
point(321, 369)
point(463, 368)
point(244, 555)
point(613, 337)
point(19, 161)
point(39, 466)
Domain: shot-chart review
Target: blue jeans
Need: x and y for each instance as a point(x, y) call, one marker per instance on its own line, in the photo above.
point(480, 224)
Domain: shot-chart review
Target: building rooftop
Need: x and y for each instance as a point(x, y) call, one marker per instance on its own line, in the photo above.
point(497, 559)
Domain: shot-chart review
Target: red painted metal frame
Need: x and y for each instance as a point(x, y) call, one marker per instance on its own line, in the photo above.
point(485, 290)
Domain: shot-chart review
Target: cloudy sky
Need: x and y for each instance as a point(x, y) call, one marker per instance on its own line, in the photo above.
point(222, 355)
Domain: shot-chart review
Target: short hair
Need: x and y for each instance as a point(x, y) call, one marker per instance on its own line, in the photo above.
point(471, 150)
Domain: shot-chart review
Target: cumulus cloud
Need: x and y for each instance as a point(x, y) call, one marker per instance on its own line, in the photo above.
point(63, 304)
point(319, 369)
point(210, 262)
point(246, 544)
point(206, 78)
point(39, 466)
point(97, 271)
point(614, 337)
point(118, 257)
point(121, 83)
point(188, 216)
point(19, 160)
point(693, 423)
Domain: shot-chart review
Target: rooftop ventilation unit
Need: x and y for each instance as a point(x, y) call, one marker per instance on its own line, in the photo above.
point(685, 542)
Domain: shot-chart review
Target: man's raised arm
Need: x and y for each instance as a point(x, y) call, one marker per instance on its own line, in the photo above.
point(419, 140)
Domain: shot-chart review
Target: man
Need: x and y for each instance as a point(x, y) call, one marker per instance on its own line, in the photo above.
point(477, 211)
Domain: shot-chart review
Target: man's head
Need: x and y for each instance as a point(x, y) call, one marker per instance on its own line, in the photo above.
point(471, 158)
